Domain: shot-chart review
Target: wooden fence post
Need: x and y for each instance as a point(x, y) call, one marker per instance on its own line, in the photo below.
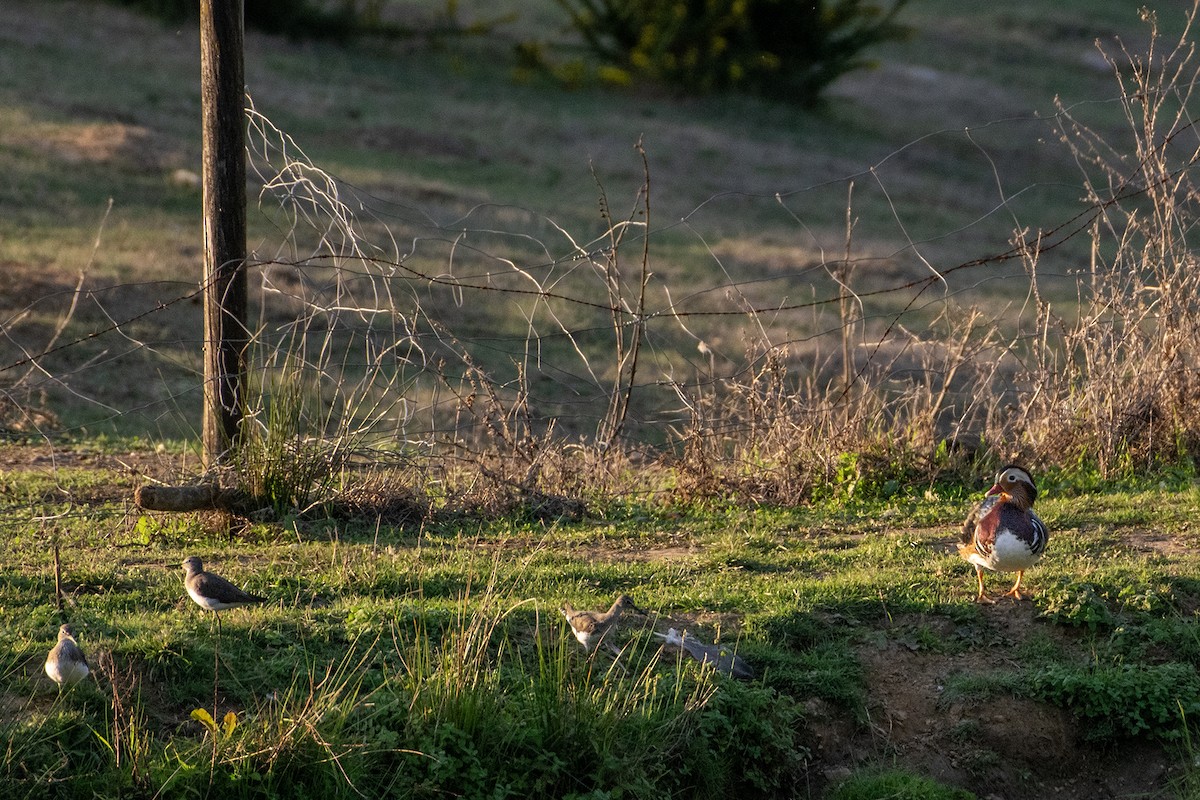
point(222, 93)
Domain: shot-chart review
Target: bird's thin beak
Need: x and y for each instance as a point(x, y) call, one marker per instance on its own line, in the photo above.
point(997, 489)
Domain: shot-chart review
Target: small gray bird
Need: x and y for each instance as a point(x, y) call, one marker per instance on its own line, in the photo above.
point(591, 627)
point(66, 664)
point(212, 592)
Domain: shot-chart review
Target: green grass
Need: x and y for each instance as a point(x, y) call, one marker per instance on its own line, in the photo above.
point(407, 663)
point(430, 660)
point(896, 785)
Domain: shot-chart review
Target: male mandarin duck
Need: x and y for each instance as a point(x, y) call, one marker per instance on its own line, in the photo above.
point(1002, 533)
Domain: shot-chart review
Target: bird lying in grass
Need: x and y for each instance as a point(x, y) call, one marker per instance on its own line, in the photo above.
point(1002, 533)
point(720, 658)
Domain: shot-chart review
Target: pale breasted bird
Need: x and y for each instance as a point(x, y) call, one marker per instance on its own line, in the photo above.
point(213, 592)
point(66, 664)
point(1002, 533)
point(591, 627)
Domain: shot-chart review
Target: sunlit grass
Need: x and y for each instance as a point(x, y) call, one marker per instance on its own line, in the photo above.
point(384, 658)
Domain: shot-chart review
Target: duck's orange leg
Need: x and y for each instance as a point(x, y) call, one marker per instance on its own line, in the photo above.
point(1015, 591)
point(982, 596)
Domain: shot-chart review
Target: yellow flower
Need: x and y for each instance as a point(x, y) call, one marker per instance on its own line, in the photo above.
point(614, 75)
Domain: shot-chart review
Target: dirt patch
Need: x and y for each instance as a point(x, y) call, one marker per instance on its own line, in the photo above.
point(1001, 747)
point(1158, 541)
point(641, 556)
point(126, 146)
point(22, 285)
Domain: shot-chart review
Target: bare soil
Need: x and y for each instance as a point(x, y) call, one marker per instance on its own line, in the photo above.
point(1001, 748)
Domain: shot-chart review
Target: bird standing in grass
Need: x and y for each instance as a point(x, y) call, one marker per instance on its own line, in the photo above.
point(1002, 533)
point(212, 592)
point(66, 664)
point(591, 627)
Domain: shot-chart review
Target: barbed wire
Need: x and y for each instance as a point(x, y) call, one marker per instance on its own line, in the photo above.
point(336, 240)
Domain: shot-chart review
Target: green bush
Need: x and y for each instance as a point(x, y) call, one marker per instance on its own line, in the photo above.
point(781, 48)
point(749, 742)
point(1123, 701)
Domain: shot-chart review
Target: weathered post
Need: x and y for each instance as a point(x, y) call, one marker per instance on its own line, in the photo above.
point(222, 93)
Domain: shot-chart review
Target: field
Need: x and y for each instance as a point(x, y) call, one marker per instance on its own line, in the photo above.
point(517, 344)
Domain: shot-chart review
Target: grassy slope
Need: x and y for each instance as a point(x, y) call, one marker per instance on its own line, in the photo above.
point(850, 612)
point(949, 144)
point(825, 601)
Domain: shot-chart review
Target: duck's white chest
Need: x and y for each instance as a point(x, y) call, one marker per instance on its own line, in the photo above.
point(1010, 553)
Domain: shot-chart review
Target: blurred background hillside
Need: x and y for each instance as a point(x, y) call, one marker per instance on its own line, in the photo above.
point(449, 202)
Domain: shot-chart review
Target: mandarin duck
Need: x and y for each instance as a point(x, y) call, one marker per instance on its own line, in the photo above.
point(1002, 533)
point(591, 627)
point(66, 663)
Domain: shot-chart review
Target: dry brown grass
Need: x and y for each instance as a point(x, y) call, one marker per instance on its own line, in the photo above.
point(1116, 382)
point(901, 400)
point(542, 369)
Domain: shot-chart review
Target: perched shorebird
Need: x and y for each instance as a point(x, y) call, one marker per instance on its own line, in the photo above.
point(212, 592)
point(1002, 533)
point(591, 627)
point(66, 664)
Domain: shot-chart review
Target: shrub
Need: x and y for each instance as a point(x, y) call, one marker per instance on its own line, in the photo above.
point(782, 48)
point(750, 742)
point(1123, 701)
point(1119, 387)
